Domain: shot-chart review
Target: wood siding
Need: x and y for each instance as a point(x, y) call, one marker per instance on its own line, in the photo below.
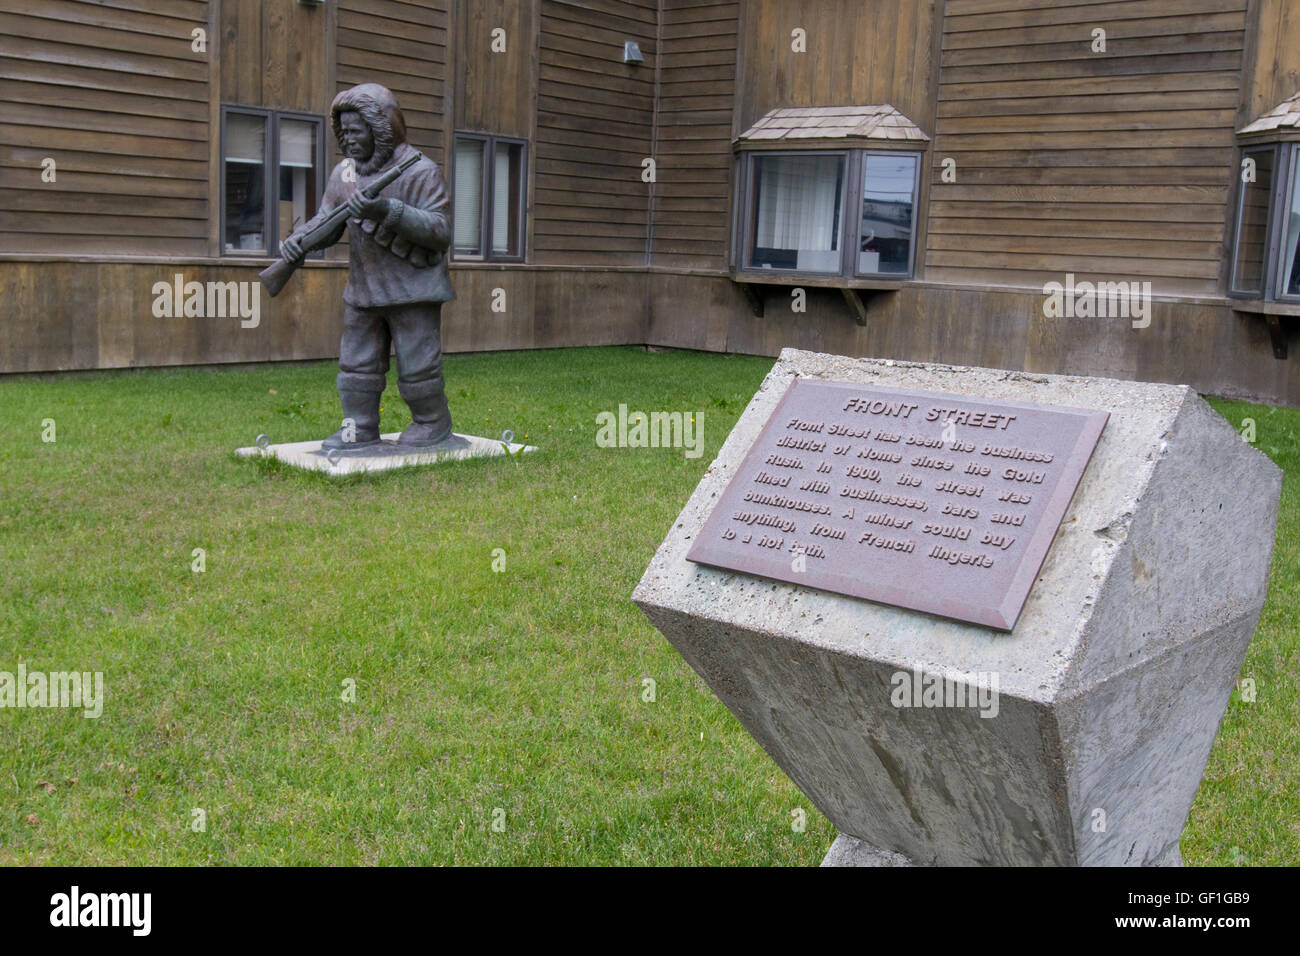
point(1274, 57)
point(691, 214)
point(401, 44)
point(594, 128)
point(995, 328)
point(99, 315)
point(92, 315)
point(1112, 165)
point(84, 315)
point(856, 54)
point(1115, 165)
point(117, 97)
point(544, 308)
point(274, 55)
point(496, 92)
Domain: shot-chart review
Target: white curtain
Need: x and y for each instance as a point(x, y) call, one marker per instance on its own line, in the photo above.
point(467, 206)
point(501, 238)
point(298, 155)
point(297, 143)
point(245, 138)
point(797, 202)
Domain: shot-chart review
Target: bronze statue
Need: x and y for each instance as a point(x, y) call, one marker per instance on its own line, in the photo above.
point(398, 236)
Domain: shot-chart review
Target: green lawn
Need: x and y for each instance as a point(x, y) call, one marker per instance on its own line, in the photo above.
point(476, 691)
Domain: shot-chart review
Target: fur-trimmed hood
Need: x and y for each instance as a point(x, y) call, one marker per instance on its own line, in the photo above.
point(378, 108)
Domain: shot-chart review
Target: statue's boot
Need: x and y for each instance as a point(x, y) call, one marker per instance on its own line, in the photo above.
point(359, 395)
point(430, 416)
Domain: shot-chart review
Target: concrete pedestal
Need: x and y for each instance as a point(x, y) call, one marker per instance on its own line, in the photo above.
point(1110, 687)
point(384, 456)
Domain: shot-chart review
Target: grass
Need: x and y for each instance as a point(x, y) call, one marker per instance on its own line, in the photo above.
point(515, 697)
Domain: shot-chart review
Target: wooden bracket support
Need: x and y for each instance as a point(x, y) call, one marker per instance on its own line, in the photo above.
point(857, 304)
point(754, 296)
point(1277, 336)
point(856, 297)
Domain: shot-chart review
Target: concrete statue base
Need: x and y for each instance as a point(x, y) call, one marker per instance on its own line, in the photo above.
point(384, 456)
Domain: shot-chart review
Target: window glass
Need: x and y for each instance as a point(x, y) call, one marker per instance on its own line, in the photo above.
point(467, 209)
point(885, 230)
point(506, 205)
point(245, 161)
point(797, 212)
point(1290, 264)
point(1252, 232)
point(297, 173)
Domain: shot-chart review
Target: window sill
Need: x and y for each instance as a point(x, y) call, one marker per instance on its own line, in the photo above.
point(1262, 307)
point(817, 280)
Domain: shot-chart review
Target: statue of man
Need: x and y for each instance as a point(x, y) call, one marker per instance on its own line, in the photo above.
point(397, 271)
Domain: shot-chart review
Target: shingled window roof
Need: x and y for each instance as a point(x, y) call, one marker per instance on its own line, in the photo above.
point(795, 127)
point(1282, 122)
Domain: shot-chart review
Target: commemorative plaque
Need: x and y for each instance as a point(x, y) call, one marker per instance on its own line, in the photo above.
point(935, 502)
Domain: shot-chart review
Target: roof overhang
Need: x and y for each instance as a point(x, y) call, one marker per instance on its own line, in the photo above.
point(1280, 124)
point(833, 127)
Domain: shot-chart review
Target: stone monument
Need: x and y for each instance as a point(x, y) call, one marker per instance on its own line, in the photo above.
point(979, 617)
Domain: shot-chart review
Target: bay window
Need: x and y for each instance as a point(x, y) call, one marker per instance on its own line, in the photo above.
point(832, 212)
point(1265, 223)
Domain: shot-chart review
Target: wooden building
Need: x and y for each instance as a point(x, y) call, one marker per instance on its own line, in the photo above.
point(912, 179)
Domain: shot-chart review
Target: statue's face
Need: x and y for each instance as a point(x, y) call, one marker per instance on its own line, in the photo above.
point(358, 141)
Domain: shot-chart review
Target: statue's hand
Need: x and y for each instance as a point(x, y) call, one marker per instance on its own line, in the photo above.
point(362, 207)
point(291, 249)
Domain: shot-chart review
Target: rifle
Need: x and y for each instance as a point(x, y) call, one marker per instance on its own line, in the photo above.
point(277, 273)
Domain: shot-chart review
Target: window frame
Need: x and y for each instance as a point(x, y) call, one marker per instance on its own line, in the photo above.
point(861, 164)
point(487, 198)
point(1287, 158)
point(744, 224)
point(1266, 283)
point(270, 177)
point(749, 209)
point(322, 169)
point(265, 114)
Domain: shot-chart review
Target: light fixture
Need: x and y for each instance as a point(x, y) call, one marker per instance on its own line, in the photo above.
point(632, 52)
